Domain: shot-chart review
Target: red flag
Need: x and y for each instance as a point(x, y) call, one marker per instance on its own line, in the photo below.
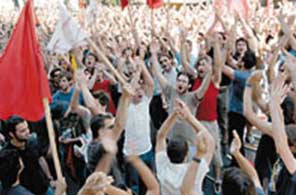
point(123, 3)
point(23, 81)
point(154, 3)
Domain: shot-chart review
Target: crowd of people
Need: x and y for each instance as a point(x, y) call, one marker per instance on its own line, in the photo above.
point(171, 97)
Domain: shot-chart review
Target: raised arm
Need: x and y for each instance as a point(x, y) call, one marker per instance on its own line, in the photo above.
point(200, 92)
point(121, 114)
point(278, 91)
point(188, 184)
point(184, 113)
point(244, 164)
point(184, 60)
point(249, 113)
point(89, 100)
point(163, 132)
point(148, 81)
point(218, 61)
point(156, 67)
point(228, 71)
point(146, 175)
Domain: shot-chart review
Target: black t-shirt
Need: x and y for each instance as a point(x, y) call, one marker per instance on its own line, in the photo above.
point(32, 177)
point(286, 183)
point(94, 154)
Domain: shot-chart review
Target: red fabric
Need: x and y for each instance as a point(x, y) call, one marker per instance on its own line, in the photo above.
point(23, 81)
point(123, 3)
point(154, 3)
point(207, 109)
point(105, 86)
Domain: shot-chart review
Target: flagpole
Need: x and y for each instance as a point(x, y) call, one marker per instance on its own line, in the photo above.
point(152, 23)
point(52, 142)
point(107, 62)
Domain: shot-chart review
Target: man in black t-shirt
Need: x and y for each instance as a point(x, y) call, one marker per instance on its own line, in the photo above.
point(22, 147)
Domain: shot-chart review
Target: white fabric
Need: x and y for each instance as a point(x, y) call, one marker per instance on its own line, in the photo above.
point(68, 34)
point(171, 175)
point(137, 129)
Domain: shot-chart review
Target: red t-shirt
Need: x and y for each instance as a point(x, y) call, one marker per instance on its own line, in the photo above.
point(105, 86)
point(207, 109)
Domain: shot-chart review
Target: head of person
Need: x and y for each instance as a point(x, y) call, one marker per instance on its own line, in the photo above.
point(235, 181)
point(241, 45)
point(184, 83)
point(166, 62)
point(139, 92)
point(101, 125)
point(127, 52)
point(17, 129)
point(65, 79)
point(248, 61)
point(177, 150)
point(103, 100)
point(201, 64)
point(291, 134)
point(54, 75)
point(89, 60)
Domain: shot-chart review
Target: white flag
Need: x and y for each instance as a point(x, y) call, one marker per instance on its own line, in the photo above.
point(68, 34)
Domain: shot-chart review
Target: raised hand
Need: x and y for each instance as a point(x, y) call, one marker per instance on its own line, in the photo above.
point(279, 89)
point(236, 143)
point(182, 110)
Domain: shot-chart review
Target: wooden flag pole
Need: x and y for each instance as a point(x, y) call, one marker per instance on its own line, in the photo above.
point(102, 56)
point(152, 23)
point(51, 136)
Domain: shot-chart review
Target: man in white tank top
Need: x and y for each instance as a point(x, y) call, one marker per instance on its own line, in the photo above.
point(137, 130)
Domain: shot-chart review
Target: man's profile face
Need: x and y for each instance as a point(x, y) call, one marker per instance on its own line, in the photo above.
point(22, 132)
point(108, 126)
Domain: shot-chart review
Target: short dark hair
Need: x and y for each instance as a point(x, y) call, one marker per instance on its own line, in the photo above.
point(242, 39)
point(12, 122)
point(177, 149)
point(249, 59)
point(98, 122)
point(102, 97)
point(67, 75)
point(235, 181)
point(86, 55)
point(53, 72)
point(190, 79)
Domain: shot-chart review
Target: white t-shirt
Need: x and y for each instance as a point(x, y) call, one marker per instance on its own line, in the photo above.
point(137, 129)
point(171, 175)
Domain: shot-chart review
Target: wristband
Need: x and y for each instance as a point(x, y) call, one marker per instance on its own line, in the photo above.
point(197, 160)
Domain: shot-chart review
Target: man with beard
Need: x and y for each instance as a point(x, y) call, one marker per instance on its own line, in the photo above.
point(23, 149)
point(181, 91)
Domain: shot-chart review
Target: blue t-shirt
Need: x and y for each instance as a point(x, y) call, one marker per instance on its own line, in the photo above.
point(64, 99)
point(259, 191)
point(237, 88)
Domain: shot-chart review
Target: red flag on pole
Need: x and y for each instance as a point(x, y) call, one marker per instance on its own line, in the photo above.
point(123, 3)
point(23, 81)
point(154, 3)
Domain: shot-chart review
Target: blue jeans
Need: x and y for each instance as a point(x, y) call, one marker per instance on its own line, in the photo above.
point(17, 190)
point(132, 177)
